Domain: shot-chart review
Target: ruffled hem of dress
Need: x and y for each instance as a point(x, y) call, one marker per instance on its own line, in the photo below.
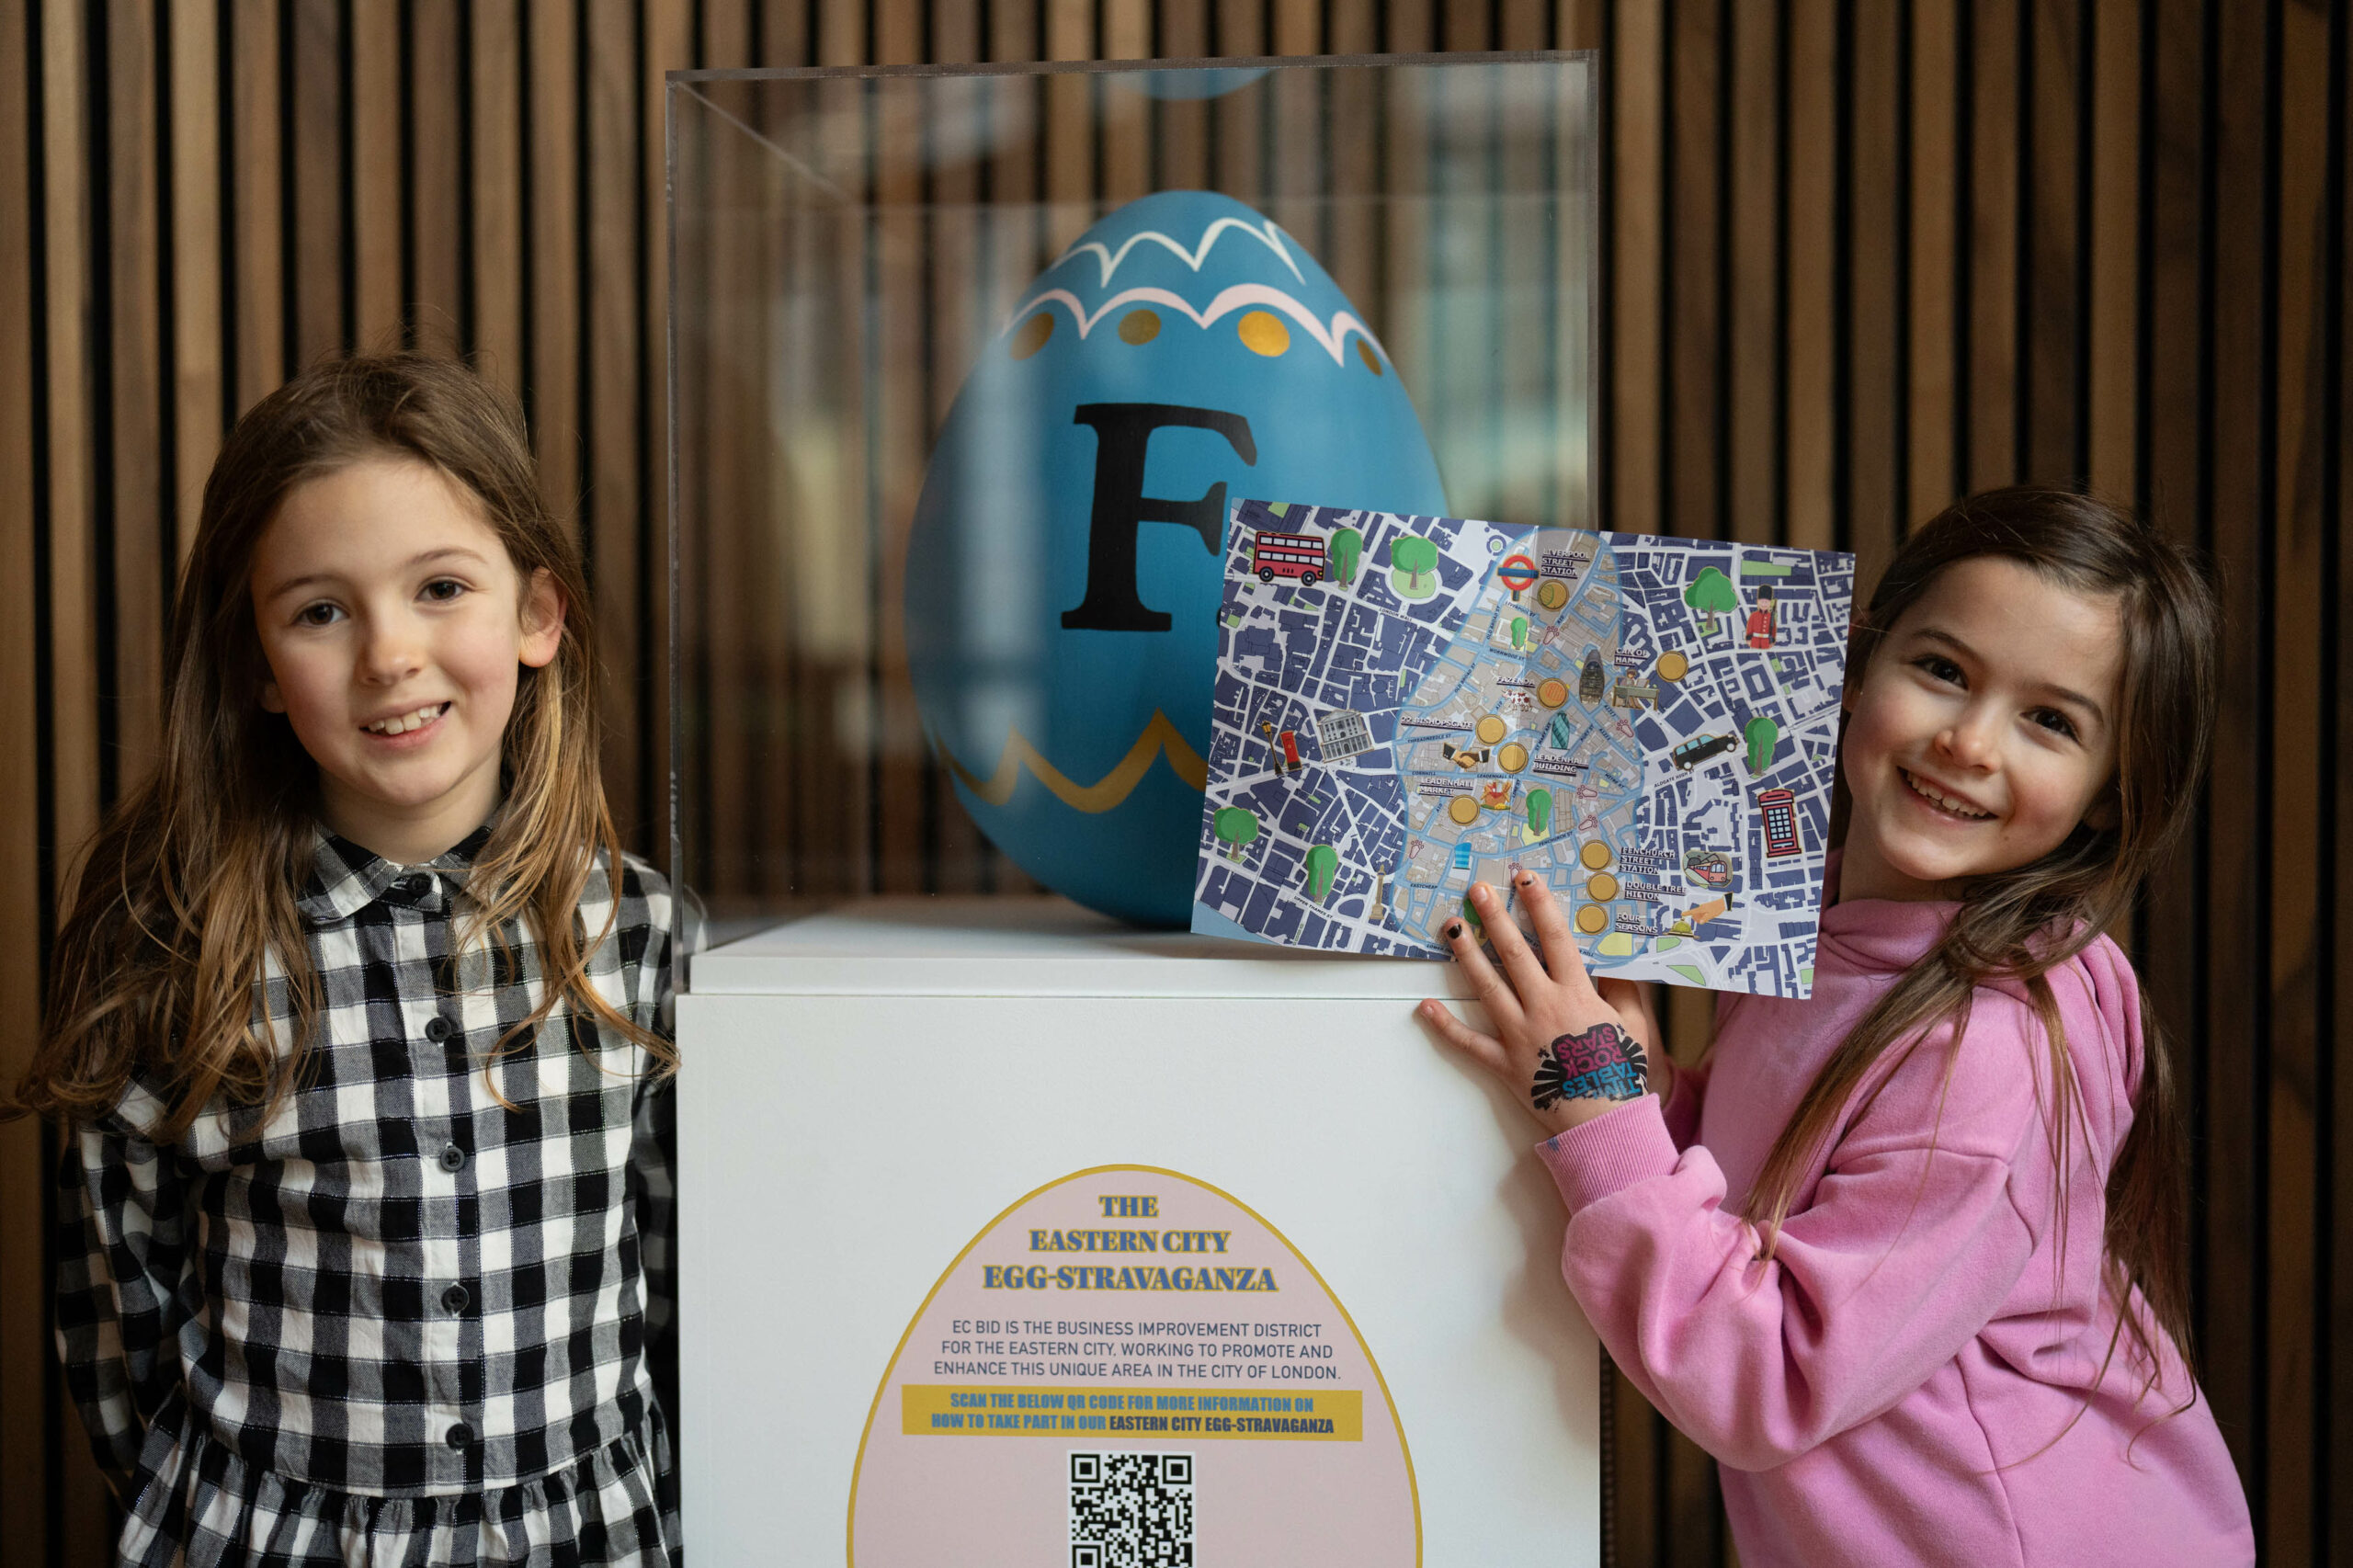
point(201, 1504)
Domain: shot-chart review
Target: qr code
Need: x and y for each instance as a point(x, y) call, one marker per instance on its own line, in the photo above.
point(1130, 1511)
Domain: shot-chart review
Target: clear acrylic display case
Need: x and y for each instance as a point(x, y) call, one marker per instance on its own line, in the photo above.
point(845, 242)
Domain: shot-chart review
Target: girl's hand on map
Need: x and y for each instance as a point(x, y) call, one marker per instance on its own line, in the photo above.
point(1572, 1050)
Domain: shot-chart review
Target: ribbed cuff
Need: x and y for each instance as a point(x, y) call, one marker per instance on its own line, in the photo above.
point(1624, 1145)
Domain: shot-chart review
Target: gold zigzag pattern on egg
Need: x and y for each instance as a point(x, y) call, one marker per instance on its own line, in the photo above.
point(1106, 792)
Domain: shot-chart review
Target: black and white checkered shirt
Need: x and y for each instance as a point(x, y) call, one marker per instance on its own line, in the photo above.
point(404, 1288)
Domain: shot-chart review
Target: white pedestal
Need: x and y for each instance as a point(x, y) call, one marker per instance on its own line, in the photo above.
point(866, 1091)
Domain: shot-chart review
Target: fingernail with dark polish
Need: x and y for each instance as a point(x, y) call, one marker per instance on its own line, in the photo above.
point(1453, 929)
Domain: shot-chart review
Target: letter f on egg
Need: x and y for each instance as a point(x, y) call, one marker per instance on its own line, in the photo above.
point(1122, 431)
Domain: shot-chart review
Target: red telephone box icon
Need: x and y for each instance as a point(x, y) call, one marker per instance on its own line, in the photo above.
point(1779, 809)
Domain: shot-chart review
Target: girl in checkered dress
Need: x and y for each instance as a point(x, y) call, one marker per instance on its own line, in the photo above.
point(360, 1028)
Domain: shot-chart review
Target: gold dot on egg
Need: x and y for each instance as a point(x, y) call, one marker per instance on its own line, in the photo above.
point(1552, 593)
point(1463, 810)
point(1262, 332)
point(1596, 854)
point(1673, 665)
point(1365, 353)
point(1514, 757)
point(1139, 326)
point(1592, 918)
point(1491, 730)
point(1033, 335)
point(1552, 693)
point(1601, 887)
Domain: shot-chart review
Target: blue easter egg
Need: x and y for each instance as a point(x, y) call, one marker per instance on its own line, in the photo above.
point(1065, 570)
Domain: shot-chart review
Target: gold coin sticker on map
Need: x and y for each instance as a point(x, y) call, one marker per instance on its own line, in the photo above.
point(1491, 730)
point(1552, 593)
point(1463, 810)
point(1594, 855)
point(1673, 665)
point(1552, 693)
point(1601, 888)
point(1592, 918)
point(1514, 757)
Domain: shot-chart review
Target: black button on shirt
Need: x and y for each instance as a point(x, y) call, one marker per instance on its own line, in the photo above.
point(452, 1157)
point(458, 1436)
point(436, 1029)
point(455, 1297)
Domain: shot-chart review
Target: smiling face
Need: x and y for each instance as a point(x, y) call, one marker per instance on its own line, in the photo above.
point(396, 628)
point(1982, 733)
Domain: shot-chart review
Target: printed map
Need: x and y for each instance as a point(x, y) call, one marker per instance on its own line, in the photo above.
point(1407, 704)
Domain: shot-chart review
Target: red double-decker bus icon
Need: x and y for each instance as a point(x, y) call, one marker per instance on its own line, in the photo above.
point(1288, 555)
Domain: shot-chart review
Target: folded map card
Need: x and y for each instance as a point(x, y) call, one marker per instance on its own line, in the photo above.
point(1408, 704)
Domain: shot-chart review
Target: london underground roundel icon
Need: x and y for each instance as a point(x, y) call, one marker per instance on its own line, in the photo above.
point(1516, 572)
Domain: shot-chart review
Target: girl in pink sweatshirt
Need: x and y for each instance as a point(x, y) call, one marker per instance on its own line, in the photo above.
point(1908, 1257)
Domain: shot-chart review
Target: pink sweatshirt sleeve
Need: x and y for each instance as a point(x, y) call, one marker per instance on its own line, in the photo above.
point(1680, 1110)
point(1896, 1261)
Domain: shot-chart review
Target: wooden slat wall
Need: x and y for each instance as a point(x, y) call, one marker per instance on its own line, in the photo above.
point(1856, 257)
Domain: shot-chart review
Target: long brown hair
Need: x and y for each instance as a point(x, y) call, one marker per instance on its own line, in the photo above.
point(2017, 925)
point(186, 896)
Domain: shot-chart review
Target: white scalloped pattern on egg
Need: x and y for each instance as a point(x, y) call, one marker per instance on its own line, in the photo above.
point(1333, 336)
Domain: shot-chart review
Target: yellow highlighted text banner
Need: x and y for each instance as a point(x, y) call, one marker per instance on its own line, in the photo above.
point(940, 1410)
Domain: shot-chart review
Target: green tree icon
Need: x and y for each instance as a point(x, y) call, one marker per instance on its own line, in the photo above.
point(1413, 556)
point(1519, 632)
point(1345, 548)
point(1540, 811)
point(1323, 861)
point(1711, 594)
point(1761, 735)
point(1237, 825)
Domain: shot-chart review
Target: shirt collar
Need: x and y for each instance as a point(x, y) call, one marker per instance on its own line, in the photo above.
point(345, 878)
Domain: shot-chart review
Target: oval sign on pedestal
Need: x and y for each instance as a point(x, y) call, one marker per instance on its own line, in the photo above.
point(1127, 1361)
